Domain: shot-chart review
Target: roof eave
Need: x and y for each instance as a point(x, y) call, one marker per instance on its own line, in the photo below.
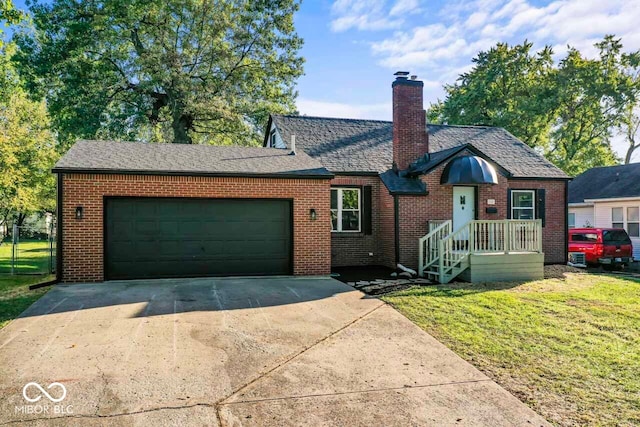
point(280, 175)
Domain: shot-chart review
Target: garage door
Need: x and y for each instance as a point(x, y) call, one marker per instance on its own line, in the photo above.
point(156, 237)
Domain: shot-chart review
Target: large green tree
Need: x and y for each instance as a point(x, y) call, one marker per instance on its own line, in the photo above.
point(186, 71)
point(567, 111)
point(27, 149)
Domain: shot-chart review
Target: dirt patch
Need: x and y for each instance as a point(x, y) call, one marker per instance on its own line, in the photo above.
point(559, 271)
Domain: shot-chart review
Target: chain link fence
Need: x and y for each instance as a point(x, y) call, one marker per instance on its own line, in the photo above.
point(29, 250)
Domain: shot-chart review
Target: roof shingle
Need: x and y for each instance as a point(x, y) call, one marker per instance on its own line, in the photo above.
point(353, 145)
point(139, 157)
point(606, 183)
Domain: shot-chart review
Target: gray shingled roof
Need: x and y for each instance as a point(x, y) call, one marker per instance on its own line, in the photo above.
point(138, 157)
point(352, 145)
point(605, 183)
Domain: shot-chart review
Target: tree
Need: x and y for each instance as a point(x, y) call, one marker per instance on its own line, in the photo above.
point(567, 111)
point(179, 70)
point(509, 87)
point(27, 149)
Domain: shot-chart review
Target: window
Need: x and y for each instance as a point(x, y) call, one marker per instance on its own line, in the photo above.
point(633, 221)
point(616, 237)
point(345, 209)
point(572, 220)
point(522, 204)
point(617, 220)
point(584, 237)
point(272, 139)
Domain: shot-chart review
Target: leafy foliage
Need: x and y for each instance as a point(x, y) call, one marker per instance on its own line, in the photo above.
point(567, 111)
point(179, 70)
point(27, 148)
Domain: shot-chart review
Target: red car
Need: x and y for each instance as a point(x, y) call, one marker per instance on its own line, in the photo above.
point(602, 246)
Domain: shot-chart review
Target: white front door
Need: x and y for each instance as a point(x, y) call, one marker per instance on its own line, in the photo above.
point(464, 206)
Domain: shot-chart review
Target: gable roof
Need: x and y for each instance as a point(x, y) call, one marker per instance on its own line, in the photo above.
point(606, 183)
point(353, 145)
point(187, 159)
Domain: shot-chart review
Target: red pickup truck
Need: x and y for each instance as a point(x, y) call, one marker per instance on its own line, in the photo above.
point(602, 246)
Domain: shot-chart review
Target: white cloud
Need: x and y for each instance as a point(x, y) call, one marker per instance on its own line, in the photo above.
point(465, 28)
point(312, 107)
point(371, 15)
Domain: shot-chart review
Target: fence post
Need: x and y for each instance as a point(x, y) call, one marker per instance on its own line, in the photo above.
point(14, 243)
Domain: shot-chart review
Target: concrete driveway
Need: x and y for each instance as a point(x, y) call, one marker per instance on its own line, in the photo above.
point(260, 351)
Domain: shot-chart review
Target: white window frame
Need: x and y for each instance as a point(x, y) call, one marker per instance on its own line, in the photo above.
point(570, 223)
point(339, 210)
point(632, 222)
point(619, 223)
point(533, 202)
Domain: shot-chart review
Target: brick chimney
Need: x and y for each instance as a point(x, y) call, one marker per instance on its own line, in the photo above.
point(410, 138)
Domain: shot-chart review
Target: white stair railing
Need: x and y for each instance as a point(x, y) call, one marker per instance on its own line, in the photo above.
point(445, 253)
point(428, 245)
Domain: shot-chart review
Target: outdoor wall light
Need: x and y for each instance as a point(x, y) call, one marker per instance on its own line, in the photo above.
point(312, 214)
point(79, 212)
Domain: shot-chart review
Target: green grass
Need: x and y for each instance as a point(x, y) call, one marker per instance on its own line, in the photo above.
point(33, 257)
point(15, 295)
point(569, 348)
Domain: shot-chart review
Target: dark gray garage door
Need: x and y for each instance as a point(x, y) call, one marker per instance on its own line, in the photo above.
point(155, 237)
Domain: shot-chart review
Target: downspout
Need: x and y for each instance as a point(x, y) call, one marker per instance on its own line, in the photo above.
point(566, 221)
point(396, 231)
point(59, 229)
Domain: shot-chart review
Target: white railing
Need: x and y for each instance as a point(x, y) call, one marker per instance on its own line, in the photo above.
point(449, 250)
point(428, 245)
point(505, 236)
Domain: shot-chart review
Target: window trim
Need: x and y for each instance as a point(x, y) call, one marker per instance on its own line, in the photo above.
point(620, 223)
point(569, 224)
point(633, 222)
point(339, 210)
point(533, 202)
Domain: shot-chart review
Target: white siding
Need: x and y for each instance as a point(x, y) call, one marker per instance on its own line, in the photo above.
point(279, 142)
point(584, 216)
point(603, 218)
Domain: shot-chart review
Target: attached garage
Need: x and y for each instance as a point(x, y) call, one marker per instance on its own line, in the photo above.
point(138, 211)
point(172, 237)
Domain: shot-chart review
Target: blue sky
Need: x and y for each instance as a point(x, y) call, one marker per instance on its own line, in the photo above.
point(353, 47)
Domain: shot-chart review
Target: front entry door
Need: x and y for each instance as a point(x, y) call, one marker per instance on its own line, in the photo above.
point(464, 206)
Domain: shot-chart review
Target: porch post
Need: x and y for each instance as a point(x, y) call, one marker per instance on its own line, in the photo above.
point(507, 236)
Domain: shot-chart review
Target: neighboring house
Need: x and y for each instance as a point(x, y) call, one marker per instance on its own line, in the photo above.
point(608, 197)
point(321, 193)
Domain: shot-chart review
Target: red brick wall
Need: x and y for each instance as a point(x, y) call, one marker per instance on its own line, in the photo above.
point(410, 139)
point(83, 240)
point(353, 249)
point(416, 211)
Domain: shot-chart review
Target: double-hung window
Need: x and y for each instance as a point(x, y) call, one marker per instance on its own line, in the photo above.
point(633, 221)
point(617, 217)
point(523, 204)
point(345, 209)
point(572, 220)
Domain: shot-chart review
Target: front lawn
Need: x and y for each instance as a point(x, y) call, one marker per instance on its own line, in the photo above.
point(15, 295)
point(570, 348)
point(33, 257)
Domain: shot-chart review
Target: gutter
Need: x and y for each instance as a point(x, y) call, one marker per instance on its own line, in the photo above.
point(287, 175)
point(59, 228)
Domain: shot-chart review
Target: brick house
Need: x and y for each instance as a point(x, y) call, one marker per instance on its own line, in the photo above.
point(320, 193)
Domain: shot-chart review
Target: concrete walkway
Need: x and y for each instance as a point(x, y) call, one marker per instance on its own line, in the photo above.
point(231, 352)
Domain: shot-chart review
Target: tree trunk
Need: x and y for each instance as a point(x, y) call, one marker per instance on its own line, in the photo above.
point(20, 220)
point(181, 125)
point(627, 158)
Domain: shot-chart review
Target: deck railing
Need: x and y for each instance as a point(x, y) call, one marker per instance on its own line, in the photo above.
point(444, 252)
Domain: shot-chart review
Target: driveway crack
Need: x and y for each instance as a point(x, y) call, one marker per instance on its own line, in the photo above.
point(299, 353)
point(96, 416)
